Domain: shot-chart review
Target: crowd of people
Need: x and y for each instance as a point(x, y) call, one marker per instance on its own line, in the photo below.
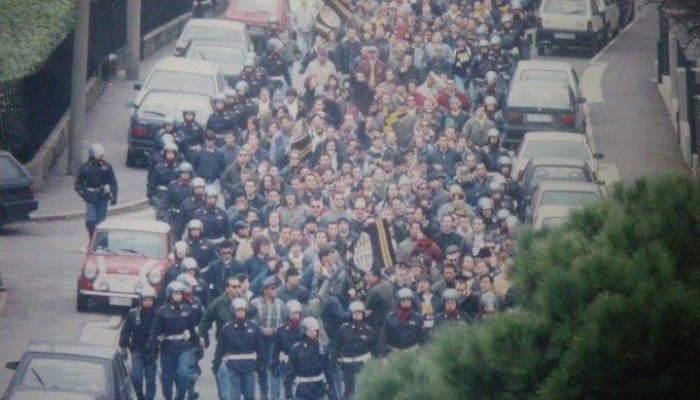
point(398, 121)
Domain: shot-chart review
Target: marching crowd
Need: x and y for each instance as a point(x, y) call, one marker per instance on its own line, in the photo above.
point(397, 127)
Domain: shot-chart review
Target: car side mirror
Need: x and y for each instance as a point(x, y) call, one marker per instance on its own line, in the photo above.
point(582, 100)
point(598, 156)
point(12, 365)
point(137, 86)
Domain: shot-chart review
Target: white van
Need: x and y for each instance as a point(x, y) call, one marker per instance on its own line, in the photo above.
point(583, 24)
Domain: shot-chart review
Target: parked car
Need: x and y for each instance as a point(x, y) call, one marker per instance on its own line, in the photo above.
point(255, 15)
point(551, 216)
point(550, 71)
point(218, 30)
point(566, 24)
point(536, 145)
point(124, 256)
point(230, 58)
point(569, 194)
point(147, 119)
point(183, 75)
point(540, 170)
point(542, 106)
point(16, 190)
point(69, 371)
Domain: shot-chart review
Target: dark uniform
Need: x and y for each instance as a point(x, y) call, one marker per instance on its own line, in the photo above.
point(449, 317)
point(220, 122)
point(194, 138)
point(96, 184)
point(174, 328)
point(309, 374)
point(190, 205)
point(404, 334)
point(237, 351)
point(209, 164)
point(216, 224)
point(286, 336)
point(201, 250)
point(178, 191)
point(134, 335)
point(164, 173)
point(355, 342)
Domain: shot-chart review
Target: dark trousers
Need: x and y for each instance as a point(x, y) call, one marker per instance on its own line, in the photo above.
point(143, 369)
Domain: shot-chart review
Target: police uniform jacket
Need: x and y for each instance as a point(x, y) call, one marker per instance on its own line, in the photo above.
point(170, 320)
point(354, 340)
point(239, 338)
point(137, 328)
point(307, 361)
point(92, 179)
point(201, 250)
point(286, 336)
point(221, 121)
point(164, 173)
point(459, 317)
point(209, 164)
point(404, 334)
point(216, 223)
point(177, 192)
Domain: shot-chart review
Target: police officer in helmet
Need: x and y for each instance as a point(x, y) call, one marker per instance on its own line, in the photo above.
point(286, 336)
point(404, 327)
point(97, 185)
point(356, 340)
point(134, 336)
point(310, 374)
point(452, 313)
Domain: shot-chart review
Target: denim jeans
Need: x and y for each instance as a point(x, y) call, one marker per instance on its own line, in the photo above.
point(265, 369)
point(175, 368)
point(96, 212)
point(142, 368)
point(223, 383)
point(240, 383)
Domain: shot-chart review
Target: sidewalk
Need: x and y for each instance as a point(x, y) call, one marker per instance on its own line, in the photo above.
point(107, 123)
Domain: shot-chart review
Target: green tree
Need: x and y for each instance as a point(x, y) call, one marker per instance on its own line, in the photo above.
point(610, 310)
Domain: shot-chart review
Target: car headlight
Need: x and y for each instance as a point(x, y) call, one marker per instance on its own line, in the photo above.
point(154, 276)
point(103, 286)
point(90, 271)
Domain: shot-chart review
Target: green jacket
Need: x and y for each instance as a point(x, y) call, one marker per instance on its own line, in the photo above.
point(219, 311)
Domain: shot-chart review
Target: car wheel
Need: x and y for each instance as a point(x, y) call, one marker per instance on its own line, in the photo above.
point(130, 159)
point(82, 301)
point(540, 50)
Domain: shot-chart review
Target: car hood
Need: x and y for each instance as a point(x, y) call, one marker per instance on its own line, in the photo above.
point(51, 395)
point(124, 265)
point(230, 68)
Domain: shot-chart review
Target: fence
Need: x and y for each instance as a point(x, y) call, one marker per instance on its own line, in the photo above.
point(691, 86)
point(31, 107)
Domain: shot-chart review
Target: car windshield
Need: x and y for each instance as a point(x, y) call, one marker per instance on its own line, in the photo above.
point(263, 6)
point(568, 198)
point(9, 171)
point(147, 244)
point(549, 173)
point(65, 374)
point(556, 149)
point(173, 103)
point(181, 81)
point(532, 96)
point(212, 32)
point(544, 75)
point(565, 7)
point(220, 54)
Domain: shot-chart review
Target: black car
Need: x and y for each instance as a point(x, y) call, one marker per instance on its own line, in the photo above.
point(147, 119)
point(16, 190)
point(542, 106)
point(52, 370)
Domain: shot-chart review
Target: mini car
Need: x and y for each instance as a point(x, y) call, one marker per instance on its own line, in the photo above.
point(218, 30)
point(567, 194)
point(69, 371)
point(256, 15)
point(16, 190)
point(124, 256)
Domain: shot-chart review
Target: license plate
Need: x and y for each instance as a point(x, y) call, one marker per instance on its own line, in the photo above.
point(120, 301)
point(255, 30)
point(538, 118)
point(567, 36)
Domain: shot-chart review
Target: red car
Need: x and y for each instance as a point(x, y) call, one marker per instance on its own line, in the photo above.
point(124, 256)
point(256, 14)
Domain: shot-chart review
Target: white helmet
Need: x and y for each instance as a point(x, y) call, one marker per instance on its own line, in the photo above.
point(195, 224)
point(485, 203)
point(211, 191)
point(189, 264)
point(310, 324)
point(450, 295)
point(181, 249)
point(496, 40)
point(483, 43)
point(198, 182)
point(187, 280)
point(96, 150)
point(239, 303)
point(491, 77)
point(405, 293)
point(508, 17)
point(147, 291)
point(502, 214)
point(490, 101)
point(357, 306)
point(293, 306)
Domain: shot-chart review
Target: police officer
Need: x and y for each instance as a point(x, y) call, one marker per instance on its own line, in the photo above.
point(134, 335)
point(286, 336)
point(243, 107)
point(164, 173)
point(356, 340)
point(194, 201)
point(238, 351)
point(174, 330)
point(197, 311)
point(180, 253)
point(169, 128)
point(209, 163)
point(216, 223)
point(200, 248)
point(199, 285)
point(274, 65)
point(221, 120)
point(97, 185)
point(309, 375)
point(452, 313)
point(481, 64)
point(177, 192)
point(404, 327)
point(193, 133)
point(493, 150)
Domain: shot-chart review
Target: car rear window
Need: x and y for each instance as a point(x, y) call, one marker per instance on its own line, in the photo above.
point(160, 103)
point(557, 174)
point(565, 7)
point(9, 170)
point(129, 243)
point(533, 96)
point(568, 198)
point(544, 75)
point(212, 32)
point(182, 81)
point(556, 149)
point(64, 374)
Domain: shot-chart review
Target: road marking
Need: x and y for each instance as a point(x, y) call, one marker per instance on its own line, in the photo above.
point(591, 82)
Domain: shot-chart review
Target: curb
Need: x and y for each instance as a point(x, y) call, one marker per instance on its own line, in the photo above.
point(137, 205)
point(3, 301)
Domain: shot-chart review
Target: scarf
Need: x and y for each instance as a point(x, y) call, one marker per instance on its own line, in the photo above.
point(294, 323)
point(403, 313)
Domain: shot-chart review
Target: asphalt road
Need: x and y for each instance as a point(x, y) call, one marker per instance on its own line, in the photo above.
point(40, 262)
